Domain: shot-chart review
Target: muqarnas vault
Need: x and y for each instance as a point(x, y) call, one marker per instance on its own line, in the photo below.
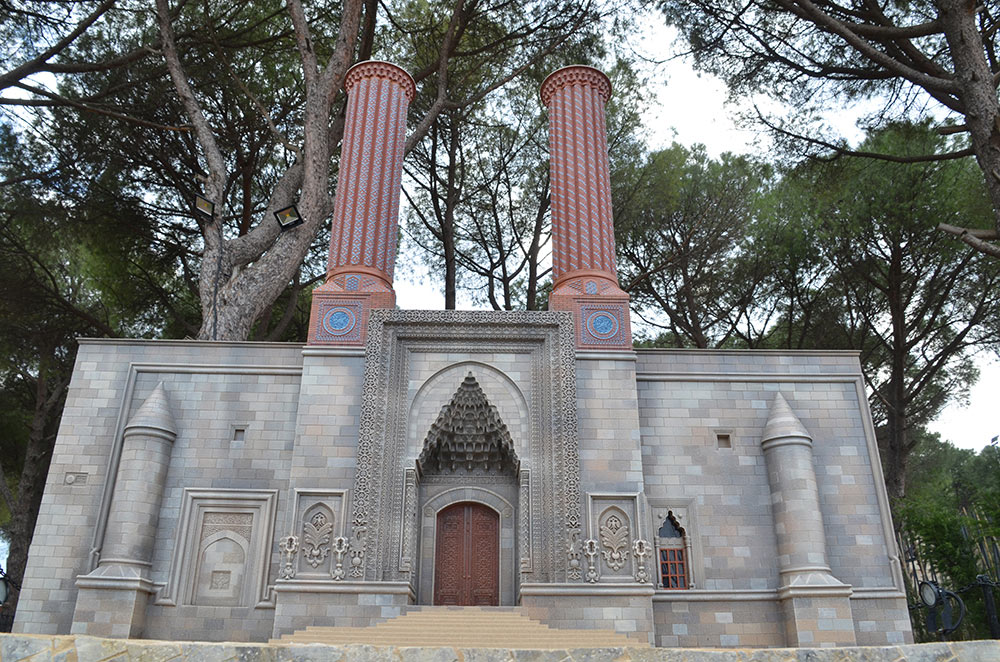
point(239, 491)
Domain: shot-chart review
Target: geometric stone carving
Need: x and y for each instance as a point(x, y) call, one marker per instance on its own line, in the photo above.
point(468, 435)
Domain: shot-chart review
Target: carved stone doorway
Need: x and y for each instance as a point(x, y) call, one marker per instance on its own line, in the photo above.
point(467, 556)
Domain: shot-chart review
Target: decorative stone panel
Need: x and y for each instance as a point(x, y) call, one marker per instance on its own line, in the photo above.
point(222, 550)
point(614, 524)
point(318, 518)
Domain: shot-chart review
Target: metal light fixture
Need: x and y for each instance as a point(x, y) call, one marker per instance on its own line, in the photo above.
point(941, 607)
point(204, 205)
point(930, 593)
point(288, 218)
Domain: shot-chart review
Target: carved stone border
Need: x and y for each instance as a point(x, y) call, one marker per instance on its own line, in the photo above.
point(392, 335)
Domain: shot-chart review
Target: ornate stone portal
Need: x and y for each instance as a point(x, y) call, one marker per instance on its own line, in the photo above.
point(468, 447)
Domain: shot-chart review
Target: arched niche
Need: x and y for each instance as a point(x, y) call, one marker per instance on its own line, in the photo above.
point(222, 570)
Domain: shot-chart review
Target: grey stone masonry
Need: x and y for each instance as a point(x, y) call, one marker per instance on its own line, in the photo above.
point(20, 648)
point(239, 491)
point(703, 415)
point(816, 604)
point(112, 598)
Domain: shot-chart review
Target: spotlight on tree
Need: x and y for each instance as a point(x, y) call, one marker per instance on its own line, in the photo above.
point(288, 218)
point(204, 205)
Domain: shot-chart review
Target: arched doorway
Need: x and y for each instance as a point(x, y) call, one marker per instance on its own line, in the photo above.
point(467, 555)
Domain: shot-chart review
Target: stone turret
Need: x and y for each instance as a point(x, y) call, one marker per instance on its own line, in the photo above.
point(816, 605)
point(112, 599)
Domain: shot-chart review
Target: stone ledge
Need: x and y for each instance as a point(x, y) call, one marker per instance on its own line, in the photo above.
point(78, 648)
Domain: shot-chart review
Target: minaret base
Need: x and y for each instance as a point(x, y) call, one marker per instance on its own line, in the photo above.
point(600, 311)
point(341, 305)
point(111, 602)
point(818, 615)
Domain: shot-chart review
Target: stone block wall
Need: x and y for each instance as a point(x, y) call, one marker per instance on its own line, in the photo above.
point(610, 450)
point(687, 398)
point(631, 615)
point(214, 389)
point(880, 621)
point(302, 604)
point(723, 623)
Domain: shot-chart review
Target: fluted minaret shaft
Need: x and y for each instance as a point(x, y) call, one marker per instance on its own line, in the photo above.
point(583, 232)
point(582, 226)
point(366, 209)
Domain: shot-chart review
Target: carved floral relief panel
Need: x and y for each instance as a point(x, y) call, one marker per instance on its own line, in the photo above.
point(318, 522)
point(614, 529)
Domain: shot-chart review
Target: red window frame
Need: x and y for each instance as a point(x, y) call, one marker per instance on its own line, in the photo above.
point(673, 569)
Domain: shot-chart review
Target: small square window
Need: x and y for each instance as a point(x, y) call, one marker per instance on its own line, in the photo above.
point(239, 435)
point(723, 440)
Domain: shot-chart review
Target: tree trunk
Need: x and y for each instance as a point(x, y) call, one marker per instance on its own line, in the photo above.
point(896, 443)
point(531, 297)
point(45, 419)
point(978, 91)
point(448, 226)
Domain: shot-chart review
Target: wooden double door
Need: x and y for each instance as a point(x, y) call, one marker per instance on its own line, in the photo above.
point(467, 556)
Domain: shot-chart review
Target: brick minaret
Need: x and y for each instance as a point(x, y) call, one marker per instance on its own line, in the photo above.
point(366, 209)
point(583, 235)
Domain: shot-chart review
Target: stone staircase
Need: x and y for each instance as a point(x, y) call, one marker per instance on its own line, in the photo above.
point(464, 627)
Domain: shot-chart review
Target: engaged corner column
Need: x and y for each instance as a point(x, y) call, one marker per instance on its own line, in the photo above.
point(583, 233)
point(366, 209)
point(112, 600)
point(816, 605)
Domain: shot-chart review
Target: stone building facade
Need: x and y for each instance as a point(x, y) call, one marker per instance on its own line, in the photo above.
point(238, 491)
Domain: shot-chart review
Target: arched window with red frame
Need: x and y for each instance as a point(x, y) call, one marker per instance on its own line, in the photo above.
point(673, 562)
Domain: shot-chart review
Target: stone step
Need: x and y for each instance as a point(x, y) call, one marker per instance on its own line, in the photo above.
point(484, 627)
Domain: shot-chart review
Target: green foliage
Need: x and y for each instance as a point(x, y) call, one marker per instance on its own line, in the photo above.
point(951, 519)
point(686, 254)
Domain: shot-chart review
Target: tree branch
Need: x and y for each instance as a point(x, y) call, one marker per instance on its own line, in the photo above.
point(206, 138)
point(843, 151)
point(970, 237)
point(32, 65)
point(830, 24)
point(59, 100)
